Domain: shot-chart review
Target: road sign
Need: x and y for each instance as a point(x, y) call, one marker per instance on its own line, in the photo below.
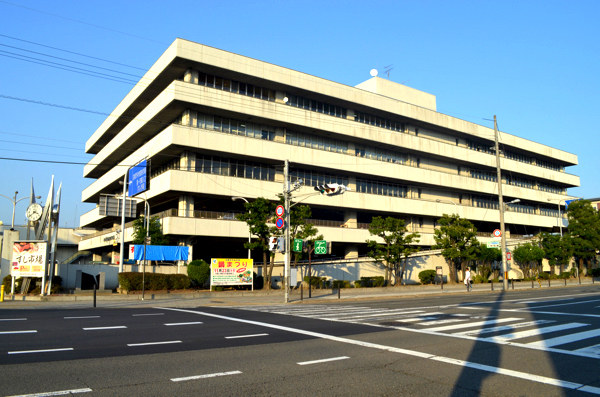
point(279, 223)
point(138, 178)
point(148, 240)
point(279, 211)
point(508, 256)
point(497, 233)
point(297, 245)
point(493, 244)
point(320, 247)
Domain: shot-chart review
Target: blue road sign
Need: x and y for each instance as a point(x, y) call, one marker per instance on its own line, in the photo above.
point(138, 178)
point(279, 223)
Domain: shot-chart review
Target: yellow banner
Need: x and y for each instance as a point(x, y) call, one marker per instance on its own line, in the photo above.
point(224, 271)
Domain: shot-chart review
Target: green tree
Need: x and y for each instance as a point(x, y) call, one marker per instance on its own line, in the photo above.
point(584, 227)
point(198, 271)
point(487, 256)
point(395, 247)
point(258, 212)
point(527, 256)
point(558, 250)
point(456, 237)
point(156, 235)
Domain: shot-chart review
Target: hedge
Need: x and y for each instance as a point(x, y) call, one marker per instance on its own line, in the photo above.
point(369, 282)
point(132, 281)
point(427, 276)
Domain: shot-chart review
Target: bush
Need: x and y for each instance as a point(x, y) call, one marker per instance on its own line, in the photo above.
point(565, 275)
point(595, 272)
point(199, 272)
point(341, 284)
point(479, 279)
point(131, 281)
point(369, 282)
point(316, 282)
point(544, 276)
point(258, 281)
point(427, 276)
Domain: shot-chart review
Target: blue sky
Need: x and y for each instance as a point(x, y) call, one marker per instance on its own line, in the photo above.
point(534, 64)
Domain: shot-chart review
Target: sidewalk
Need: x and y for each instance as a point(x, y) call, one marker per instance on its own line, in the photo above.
point(273, 297)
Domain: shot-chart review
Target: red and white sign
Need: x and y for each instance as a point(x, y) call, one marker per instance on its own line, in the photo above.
point(279, 211)
point(508, 256)
point(497, 233)
point(279, 223)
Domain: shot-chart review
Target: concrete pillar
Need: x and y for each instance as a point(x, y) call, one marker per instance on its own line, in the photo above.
point(186, 205)
point(279, 95)
point(191, 76)
point(350, 219)
point(7, 249)
point(351, 251)
point(187, 161)
point(352, 183)
point(101, 281)
point(350, 114)
point(78, 275)
point(185, 117)
point(186, 242)
point(280, 134)
point(351, 149)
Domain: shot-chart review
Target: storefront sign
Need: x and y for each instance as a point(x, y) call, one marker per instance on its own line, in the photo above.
point(29, 259)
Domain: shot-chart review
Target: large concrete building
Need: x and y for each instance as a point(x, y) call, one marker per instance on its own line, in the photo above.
point(216, 125)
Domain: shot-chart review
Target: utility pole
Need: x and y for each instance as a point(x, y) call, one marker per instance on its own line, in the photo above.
point(286, 195)
point(501, 210)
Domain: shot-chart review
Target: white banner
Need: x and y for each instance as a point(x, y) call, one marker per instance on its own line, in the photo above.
point(29, 259)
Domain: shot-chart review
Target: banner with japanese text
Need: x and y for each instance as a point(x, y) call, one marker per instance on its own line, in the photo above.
point(225, 271)
point(29, 259)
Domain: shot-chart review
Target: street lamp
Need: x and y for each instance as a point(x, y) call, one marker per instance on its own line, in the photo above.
point(249, 233)
point(449, 201)
point(15, 201)
point(559, 216)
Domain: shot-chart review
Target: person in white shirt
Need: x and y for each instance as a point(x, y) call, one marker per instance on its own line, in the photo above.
point(468, 280)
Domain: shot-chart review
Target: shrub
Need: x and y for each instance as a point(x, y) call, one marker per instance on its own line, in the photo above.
point(341, 284)
point(199, 272)
point(357, 284)
point(544, 276)
point(595, 272)
point(131, 281)
point(258, 281)
point(316, 281)
point(427, 276)
point(479, 279)
point(377, 281)
point(565, 275)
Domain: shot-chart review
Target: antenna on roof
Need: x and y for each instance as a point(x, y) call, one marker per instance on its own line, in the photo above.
point(388, 69)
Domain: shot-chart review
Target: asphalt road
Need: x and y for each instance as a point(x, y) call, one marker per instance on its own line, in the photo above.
point(523, 343)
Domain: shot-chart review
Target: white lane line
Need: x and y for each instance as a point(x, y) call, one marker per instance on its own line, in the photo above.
point(101, 328)
point(206, 376)
point(525, 309)
point(41, 351)
point(562, 340)
point(149, 314)
point(12, 319)
point(245, 336)
point(18, 332)
point(383, 314)
point(595, 350)
point(192, 323)
point(504, 327)
point(565, 304)
point(415, 319)
point(535, 332)
point(486, 368)
point(438, 322)
point(154, 343)
point(72, 318)
point(474, 324)
point(323, 360)
point(55, 393)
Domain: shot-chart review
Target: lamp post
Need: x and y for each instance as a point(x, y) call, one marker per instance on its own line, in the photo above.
point(15, 201)
point(449, 201)
point(249, 233)
point(559, 215)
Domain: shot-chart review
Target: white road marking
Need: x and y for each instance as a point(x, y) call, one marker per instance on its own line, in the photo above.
point(192, 323)
point(561, 340)
point(524, 309)
point(535, 332)
point(446, 321)
point(245, 336)
point(41, 351)
point(565, 304)
point(71, 318)
point(101, 328)
point(154, 343)
point(149, 314)
point(12, 319)
point(55, 393)
point(504, 327)
point(474, 324)
point(206, 376)
point(323, 360)
point(486, 368)
point(382, 314)
point(415, 319)
point(595, 350)
point(18, 332)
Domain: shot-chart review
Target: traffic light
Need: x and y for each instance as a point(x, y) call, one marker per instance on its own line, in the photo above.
point(281, 244)
point(331, 189)
point(273, 243)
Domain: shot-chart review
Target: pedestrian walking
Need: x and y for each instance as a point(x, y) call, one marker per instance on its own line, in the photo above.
point(468, 280)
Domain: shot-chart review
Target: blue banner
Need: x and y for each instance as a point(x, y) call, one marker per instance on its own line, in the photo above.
point(567, 202)
point(161, 253)
point(138, 179)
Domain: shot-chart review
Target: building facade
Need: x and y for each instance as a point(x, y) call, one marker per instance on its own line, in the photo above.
point(217, 125)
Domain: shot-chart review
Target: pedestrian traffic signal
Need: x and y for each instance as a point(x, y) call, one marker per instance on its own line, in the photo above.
point(273, 243)
point(331, 189)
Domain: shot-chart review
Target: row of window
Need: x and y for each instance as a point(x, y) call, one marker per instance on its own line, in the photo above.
point(518, 157)
point(223, 166)
point(550, 188)
point(389, 156)
point(314, 178)
point(237, 87)
point(485, 175)
point(315, 142)
point(548, 164)
point(316, 106)
point(546, 211)
point(380, 188)
point(522, 182)
point(522, 208)
point(379, 122)
point(230, 126)
point(481, 147)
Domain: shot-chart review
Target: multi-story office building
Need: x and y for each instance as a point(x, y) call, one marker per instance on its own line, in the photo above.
point(216, 125)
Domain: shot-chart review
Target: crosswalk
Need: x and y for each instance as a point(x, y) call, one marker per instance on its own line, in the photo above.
point(575, 338)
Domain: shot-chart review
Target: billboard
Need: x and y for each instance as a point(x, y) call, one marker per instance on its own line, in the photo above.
point(113, 206)
point(225, 271)
point(138, 178)
point(28, 259)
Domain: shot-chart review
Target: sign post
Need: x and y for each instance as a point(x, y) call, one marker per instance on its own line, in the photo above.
point(320, 247)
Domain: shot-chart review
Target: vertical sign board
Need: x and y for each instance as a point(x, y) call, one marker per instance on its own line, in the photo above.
point(297, 245)
point(28, 259)
point(224, 271)
point(138, 178)
point(320, 247)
